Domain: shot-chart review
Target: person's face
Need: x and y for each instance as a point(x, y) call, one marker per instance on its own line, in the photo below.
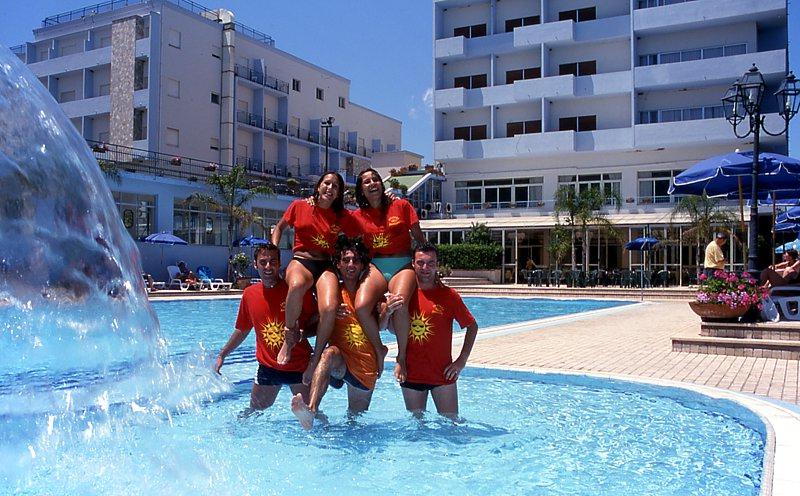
point(371, 186)
point(350, 265)
point(268, 263)
point(328, 189)
point(786, 257)
point(721, 241)
point(425, 266)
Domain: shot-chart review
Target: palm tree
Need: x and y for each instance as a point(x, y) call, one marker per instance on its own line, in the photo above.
point(559, 244)
point(231, 192)
point(703, 213)
point(583, 210)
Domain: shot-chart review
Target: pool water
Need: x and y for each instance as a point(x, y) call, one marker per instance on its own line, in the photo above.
point(521, 433)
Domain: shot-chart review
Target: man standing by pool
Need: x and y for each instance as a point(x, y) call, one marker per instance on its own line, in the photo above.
point(263, 307)
point(428, 364)
point(715, 259)
point(350, 358)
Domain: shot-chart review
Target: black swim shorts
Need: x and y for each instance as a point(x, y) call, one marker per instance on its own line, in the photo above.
point(267, 376)
point(418, 386)
point(316, 267)
point(348, 378)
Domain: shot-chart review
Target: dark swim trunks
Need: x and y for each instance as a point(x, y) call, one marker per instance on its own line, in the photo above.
point(267, 376)
point(417, 386)
point(348, 378)
point(316, 267)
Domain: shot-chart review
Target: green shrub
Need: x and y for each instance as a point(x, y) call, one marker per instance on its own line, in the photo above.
point(467, 256)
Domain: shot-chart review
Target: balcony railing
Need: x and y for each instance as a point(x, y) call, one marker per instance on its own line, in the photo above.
point(260, 78)
point(646, 4)
point(189, 5)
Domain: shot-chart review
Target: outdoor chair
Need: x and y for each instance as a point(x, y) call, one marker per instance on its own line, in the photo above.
point(555, 278)
point(537, 277)
point(625, 278)
point(787, 299)
point(208, 281)
point(574, 278)
point(662, 278)
point(175, 282)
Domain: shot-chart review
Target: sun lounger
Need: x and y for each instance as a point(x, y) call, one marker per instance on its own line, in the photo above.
point(787, 299)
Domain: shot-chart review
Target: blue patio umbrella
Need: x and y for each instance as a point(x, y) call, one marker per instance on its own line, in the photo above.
point(791, 245)
point(720, 175)
point(792, 214)
point(786, 226)
point(164, 238)
point(250, 240)
point(643, 245)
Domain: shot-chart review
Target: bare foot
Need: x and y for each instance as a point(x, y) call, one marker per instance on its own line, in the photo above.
point(291, 338)
point(379, 358)
point(309, 373)
point(302, 412)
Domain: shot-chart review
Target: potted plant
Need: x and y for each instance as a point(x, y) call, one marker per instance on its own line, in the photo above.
point(239, 264)
point(211, 167)
point(726, 295)
point(176, 161)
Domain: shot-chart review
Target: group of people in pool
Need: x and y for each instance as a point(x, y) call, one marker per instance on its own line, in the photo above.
point(352, 274)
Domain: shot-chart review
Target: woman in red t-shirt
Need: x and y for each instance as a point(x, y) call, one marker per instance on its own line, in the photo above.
point(387, 226)
point(317, 221)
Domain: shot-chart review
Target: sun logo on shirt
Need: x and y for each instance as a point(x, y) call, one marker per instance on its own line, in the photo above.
point(394, 220)
point(354, 335)
point(320, 241)
point(380, 240)
point(438, 310)
point(272, 334)
point(420, 330)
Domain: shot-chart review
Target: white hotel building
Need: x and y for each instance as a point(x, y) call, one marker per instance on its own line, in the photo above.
point(618, 94)
point(175, 91)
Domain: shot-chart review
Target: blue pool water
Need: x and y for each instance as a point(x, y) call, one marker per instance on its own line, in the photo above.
point(521, 433)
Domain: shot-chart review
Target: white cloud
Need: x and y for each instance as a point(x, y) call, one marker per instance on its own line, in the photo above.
point(427, 98)
point(421, 105)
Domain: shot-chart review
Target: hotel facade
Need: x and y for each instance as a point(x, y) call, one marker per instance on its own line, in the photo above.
point(619, 95)
point(169, 92)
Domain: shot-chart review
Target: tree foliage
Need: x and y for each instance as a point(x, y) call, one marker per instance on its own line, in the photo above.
point(559, 244)
point(581, 210)
point(704, 214)
point(479, 234)
point(467, 256)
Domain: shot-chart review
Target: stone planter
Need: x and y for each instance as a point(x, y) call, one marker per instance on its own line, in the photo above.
point(717, 312)
point(493, 275)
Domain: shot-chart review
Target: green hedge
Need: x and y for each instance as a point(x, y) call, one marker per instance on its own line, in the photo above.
point(470, 257)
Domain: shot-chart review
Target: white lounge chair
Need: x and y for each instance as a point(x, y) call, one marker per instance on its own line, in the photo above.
point(174, 281)
point(787, 299)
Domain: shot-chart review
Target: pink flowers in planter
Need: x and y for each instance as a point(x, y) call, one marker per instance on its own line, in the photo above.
point(726, 288)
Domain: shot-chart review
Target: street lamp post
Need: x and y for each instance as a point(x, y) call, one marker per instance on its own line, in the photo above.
point(326, 124)
point(743, 100)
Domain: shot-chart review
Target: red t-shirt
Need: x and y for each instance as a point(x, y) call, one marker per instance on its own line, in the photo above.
point(387, 233)
point(265, 309)
point(315, 228)
point(430, 338)
point(357, 351)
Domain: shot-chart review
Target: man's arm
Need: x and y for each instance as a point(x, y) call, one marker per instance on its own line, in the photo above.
point(278, 232)
point(454, 369)
point(233, 342)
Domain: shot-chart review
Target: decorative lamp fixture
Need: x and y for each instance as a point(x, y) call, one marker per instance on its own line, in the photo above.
point(733, 106)
point(751, 90)
point(786, 95)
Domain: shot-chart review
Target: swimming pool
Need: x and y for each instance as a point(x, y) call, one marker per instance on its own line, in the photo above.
point(522, 433)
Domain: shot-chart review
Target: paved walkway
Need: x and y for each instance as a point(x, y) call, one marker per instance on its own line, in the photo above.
point(636, 342)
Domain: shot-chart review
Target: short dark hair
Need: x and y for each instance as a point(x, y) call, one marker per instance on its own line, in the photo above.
point(361, 198)
point(427, 247)
point(338, 202)
point(265, 247)
point(355, 244)
point(792, 253)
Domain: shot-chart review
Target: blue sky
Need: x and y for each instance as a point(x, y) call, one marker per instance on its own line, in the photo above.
point(383, 46)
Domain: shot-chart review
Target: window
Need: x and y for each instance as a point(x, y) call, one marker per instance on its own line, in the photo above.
point(585, 68)
point(104, 89)
point(578, 15)
point(526, 127)
point(653, 186)
point(608, 183)
point(67, 49)
point(173, 88)
point(214, 144)
point(174, 38)
point(199, 223)
point(341, 102)
point(103, 136)
point(470, 31)
point(518, 74)
point(140, 124)
point(296, 85)
point(104, 41)
point(470, 132)
point(137, 212)
point(320, 94)
point(735, 49)
point(470, 82)
point(683, 114)
point(66, 96)
point(173, 136)
point(215, 98)
point(43, 54)
point(692, 54)
point(522, 21)
point(581, 123)
point(520, 192)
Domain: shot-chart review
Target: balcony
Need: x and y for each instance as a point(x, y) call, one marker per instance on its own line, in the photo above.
point(517, 146)
point(706, 72)
point(691, 15)
point(610, 83)
point(261, 79)
point(550, 33)
point(450, 48)
point(263, 168)
point(604, 140)
point(605, 29)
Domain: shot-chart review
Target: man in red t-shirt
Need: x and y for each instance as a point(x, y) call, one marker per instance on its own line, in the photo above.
point(428, 364)
point(263, 307)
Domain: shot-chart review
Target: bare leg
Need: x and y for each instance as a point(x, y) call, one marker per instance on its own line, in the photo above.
point(403, 283)
point(358, 400)
point(299, 280)
point(416, 401)
point(327, 301)
point(446, 400)
point(300, 389)
point(262, 397)
point(367, 295)
point(331, 363)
